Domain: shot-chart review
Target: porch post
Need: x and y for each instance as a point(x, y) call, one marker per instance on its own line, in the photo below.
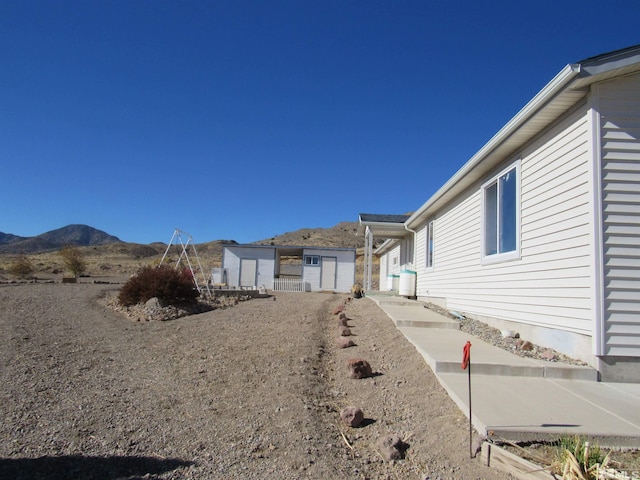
point(368, 256)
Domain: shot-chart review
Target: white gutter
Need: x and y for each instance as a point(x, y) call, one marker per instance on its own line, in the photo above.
point(559, 83)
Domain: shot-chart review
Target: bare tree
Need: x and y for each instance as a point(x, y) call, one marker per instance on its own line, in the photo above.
point(73, 259)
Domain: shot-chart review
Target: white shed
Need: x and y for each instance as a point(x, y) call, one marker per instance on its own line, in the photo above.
point(285, 268)
point(539, 231)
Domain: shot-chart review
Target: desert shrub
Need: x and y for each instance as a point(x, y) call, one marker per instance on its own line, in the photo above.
point(73, 259)
point(170, 286)
point(21, 267)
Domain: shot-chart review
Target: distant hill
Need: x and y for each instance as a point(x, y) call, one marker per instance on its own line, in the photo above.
point(80, 235)
point(7, 238)
point(108, 255)
point(342, 235)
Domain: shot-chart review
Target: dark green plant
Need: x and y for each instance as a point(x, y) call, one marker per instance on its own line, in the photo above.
point(578, 459)
point(170, 286)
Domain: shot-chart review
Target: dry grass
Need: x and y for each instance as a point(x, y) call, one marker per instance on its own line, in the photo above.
point(128, 258)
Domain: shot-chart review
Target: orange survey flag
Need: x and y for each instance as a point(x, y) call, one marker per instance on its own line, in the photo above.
point(466, 355)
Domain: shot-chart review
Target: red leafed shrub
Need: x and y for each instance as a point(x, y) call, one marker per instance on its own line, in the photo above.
point(170, 286)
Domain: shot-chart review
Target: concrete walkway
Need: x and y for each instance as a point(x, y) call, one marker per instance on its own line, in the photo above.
point(515, 398)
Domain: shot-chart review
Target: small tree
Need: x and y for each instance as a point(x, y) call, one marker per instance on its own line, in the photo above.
point(21, 267)
point(73, 259)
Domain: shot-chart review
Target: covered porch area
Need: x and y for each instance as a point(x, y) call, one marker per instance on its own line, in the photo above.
point(381, 227)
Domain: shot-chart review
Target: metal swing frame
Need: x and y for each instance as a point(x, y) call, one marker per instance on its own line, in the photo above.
point(178, 238)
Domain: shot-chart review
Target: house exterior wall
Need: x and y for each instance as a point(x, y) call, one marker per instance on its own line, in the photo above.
point(574, 284)
point(345, 269)
point(406, 252)
point(391, 263)
point(618, 102)
point(384, 273)
point(394, 264)
point(546, 293)
point(266, 264)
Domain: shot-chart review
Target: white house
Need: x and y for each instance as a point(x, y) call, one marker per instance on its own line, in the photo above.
point(539, 231)
point(284, 268)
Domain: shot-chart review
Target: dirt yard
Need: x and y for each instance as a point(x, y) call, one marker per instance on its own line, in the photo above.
point(253, 391)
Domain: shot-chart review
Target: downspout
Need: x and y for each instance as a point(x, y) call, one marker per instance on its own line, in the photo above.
point(415, 236)
point(413, 263)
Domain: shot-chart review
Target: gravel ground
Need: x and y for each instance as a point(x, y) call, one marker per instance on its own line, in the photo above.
point(515, 344)
point(249, 391)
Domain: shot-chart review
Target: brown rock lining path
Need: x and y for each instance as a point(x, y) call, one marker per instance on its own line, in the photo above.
point(252, 391)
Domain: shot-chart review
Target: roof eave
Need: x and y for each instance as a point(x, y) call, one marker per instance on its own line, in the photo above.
point(455, 184)
point(381, 229)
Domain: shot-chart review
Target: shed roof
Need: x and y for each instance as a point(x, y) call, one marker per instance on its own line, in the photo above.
point(288, 250)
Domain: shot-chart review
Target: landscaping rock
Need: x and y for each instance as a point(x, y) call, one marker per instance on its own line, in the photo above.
point(549, 355)
point(359, 368)
point(352, 416)
point(526, 346)
point(391, 447)
point(344, 342)
point(154, 303)
point(344, 331)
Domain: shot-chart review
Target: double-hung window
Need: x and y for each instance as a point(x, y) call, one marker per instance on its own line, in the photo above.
point(501, 216)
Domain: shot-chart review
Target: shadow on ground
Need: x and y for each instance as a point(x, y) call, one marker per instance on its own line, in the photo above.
point(87, 468)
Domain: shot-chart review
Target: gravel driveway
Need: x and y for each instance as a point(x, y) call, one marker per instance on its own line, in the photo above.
point(252, 391)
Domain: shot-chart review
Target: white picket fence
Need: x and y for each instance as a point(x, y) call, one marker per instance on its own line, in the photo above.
point(289, 285)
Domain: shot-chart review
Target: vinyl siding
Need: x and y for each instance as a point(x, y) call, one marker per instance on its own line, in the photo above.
point(345, 266)
point(619, 105)
point(393, 261)
point(382, 281)
point(265, 266)
point(421, 253)
point(345, 269)
point(550, 284)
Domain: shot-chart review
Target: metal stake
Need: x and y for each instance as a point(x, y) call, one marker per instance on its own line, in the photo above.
point(466, 365)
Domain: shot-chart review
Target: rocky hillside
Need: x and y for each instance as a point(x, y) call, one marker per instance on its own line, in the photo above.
point(80, 235)
point(342, 235)
point(7, 238)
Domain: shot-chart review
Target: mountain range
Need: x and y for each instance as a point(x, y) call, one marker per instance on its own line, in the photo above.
point(79, 235)
point(341, 235)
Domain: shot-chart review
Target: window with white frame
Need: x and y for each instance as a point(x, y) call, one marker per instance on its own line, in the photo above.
point(501, 215)
point(429, 252)
point(312, 260)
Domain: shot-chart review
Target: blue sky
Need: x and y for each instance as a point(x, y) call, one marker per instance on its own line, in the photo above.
point(247, 119)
